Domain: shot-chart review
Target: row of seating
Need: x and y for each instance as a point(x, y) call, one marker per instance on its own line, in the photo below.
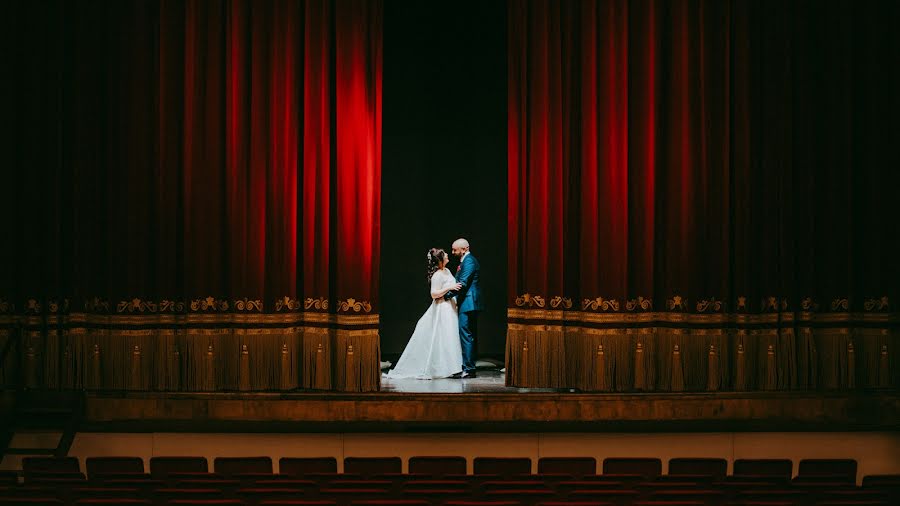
point(625, 482)
point(577, 467)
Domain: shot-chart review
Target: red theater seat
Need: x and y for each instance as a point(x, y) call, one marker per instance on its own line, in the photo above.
point(50, 465)
point(649, 468)
point(370, 466)
point(298, 502)
point(524, 497)
point(828, 467)
point(162, 467)
point(301, 466)
point(104, 465)
point(502, 466)
point(437, 466)
point(194, 494)
point(391, 502)
point(717, 468)
point(231, 466)
point(257, 495)
point(577, 467)
point(30, 501)
point(113, 502)
point(204, 502)
point(780, 468)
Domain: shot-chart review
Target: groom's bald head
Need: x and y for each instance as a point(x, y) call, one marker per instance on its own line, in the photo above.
point(460, 247)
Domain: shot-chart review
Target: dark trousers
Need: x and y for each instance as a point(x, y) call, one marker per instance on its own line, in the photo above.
point(468, 329)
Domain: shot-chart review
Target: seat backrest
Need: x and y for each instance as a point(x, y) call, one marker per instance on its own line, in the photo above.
point(577, 467)
point(370, 466)
point(828, 467)
point(779, 468)
point(230, 466)
point(647, 467)
point(51, 464)
point(502, 466)
point(109, 465)
point(717, 468)
point(300, 466)
point(437, 466)
point(162, 467)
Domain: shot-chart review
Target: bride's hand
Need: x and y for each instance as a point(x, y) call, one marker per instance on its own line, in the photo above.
point(457, 287)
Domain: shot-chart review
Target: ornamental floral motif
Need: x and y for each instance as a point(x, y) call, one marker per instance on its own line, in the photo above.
point(840, 304)
point(742, 303)
point(320, 303)
point(711, 305)
point(600, 304)
point(559, 300)
point(246, 304)
point(96, 304)
point(876, 304)
point(640, 302)
point(55, 306)
point(32, 306)
point(677, 302)
point(287, 304)
point(166, 305)
point(354, 305)
point(5, 306)
point(209, 304)
point(136, 304)
point(528, 300)
point(808, 304)
point(771, 303)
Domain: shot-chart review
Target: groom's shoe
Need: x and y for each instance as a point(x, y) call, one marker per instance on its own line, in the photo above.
point(457, 375)
point(468, 374)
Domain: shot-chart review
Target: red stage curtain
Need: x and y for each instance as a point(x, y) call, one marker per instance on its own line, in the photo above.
point(206, 179)
point(698, 195)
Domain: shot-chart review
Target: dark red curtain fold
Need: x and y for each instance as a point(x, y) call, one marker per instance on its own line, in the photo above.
point(696, 158)
point(190, 150)
point(707, 149)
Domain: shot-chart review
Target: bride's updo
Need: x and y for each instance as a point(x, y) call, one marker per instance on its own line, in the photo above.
point(436, 257)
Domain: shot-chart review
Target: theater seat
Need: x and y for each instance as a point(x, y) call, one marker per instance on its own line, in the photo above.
point(577, 467)
point(779, 468)
point(162, 467)
point(231, 466)
point(370, 466)
point(502, 466)
point(828, 467)
point(50, 465)
point(105, 465)
point(717, 468)
point(301, 466)
point(649, 468)
point(437, 466)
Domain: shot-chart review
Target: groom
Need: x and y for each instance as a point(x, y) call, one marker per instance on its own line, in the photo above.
point(468, 299)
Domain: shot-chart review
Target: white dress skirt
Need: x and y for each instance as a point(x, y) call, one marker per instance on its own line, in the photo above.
point(434, 350)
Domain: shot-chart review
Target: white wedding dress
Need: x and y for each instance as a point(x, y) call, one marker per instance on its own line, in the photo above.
point(433, 350)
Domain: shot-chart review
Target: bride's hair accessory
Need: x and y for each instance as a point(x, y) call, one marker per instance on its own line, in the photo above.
point(434, 257)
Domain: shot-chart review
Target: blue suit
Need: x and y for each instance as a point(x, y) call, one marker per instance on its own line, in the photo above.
point(470, 301)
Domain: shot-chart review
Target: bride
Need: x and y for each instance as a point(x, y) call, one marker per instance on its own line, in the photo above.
point(434, 350)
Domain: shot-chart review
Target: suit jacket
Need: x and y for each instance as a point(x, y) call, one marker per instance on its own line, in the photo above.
point(469, 297)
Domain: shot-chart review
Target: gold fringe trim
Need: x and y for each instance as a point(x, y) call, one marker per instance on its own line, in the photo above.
point(667, 360)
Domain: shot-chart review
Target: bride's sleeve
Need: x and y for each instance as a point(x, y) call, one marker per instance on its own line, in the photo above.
point(437, 280)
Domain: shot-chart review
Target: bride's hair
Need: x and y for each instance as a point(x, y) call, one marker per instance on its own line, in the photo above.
point(435, 257)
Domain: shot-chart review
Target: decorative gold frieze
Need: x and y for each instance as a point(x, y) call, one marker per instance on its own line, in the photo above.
point(209, 304)
point(711, 305)
point(287, 304)
point(559, 300)
point(640, 302)
point(600, 304)
point(246, 304)
point(528, 300)
point(320, 303)
point(352, 304)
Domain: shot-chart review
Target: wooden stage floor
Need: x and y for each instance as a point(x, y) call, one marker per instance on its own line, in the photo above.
point(485, 404)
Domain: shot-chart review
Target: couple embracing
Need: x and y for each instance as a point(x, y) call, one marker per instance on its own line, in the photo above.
point(443, 344)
